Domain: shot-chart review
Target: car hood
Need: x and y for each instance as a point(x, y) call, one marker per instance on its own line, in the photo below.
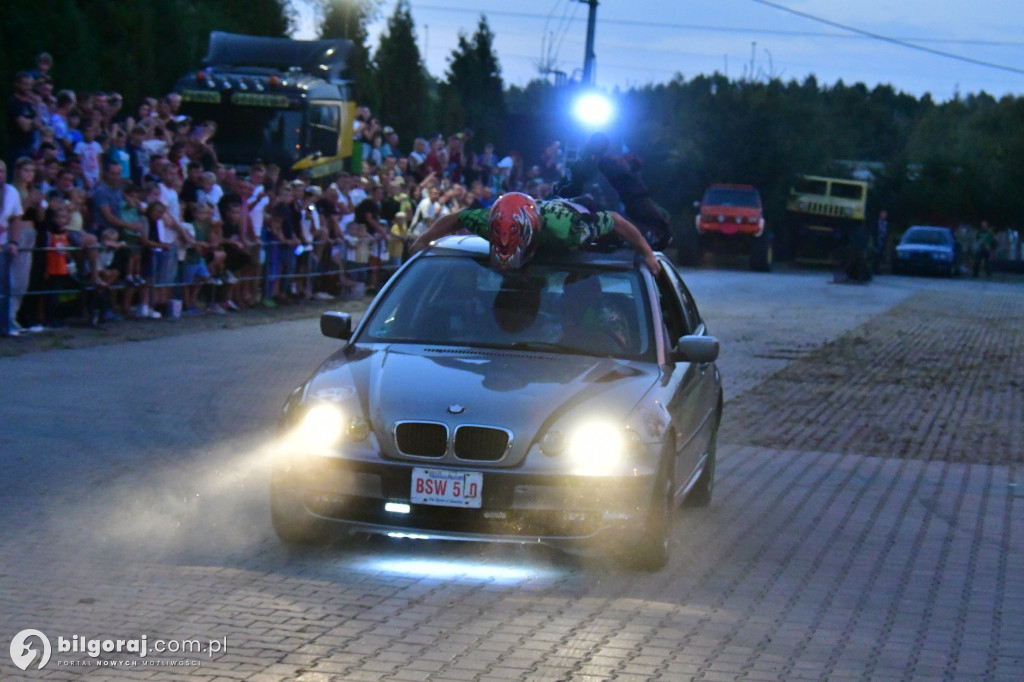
point(523, 392)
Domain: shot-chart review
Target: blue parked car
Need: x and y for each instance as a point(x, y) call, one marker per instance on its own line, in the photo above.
point(928, 249)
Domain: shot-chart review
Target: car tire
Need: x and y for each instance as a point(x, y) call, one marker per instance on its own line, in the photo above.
point(701, 492)
point(292, 523)
point(655, 548)
point(762, 253)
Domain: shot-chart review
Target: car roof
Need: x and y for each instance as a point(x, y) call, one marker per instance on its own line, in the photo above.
point(472, 246)
point(929, 227)
point(725, 185)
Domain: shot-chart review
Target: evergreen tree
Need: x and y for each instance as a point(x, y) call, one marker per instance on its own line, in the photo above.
point(348, 19)
point(472, 94)
point(402, 80)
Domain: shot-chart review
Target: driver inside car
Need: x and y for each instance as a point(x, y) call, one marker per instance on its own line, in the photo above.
point(589, 322)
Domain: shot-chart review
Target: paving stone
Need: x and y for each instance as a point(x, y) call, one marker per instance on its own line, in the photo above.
point(862, 528)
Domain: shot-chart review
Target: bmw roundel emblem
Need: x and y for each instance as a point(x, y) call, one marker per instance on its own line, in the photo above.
point(456, 409)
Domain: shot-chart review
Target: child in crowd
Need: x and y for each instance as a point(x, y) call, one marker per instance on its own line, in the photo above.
point(131, 213)
point(358, 241)
point(195, 272)
point(60, 268)
point(90, 152)
point(208, 237)
point(210, 193)
point(78, 208)
point(400, 239)
point(112, 263)
point(153, 247)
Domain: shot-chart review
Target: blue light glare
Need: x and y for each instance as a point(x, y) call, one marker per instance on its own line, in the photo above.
point(593, 109)
point(447, 569)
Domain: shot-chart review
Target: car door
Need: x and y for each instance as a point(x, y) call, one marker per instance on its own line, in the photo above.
point(710, 380)
point(688, 385)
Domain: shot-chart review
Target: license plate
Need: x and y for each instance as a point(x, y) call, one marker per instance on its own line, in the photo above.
point(444, 488)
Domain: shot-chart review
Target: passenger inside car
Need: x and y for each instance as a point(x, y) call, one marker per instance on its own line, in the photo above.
point(589, 320)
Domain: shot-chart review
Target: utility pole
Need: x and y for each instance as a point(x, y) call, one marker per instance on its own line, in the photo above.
point(589, 58)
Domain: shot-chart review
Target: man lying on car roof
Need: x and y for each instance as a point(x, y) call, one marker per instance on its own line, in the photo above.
point(517, 226)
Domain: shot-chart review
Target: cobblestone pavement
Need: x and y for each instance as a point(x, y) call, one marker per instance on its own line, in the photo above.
point(940, 376)
point(134, 503)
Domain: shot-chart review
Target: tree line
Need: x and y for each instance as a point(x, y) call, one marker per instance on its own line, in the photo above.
point(940, 163)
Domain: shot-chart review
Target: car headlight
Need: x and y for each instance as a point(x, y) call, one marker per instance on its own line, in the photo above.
point(323, 425)
point(596, 447)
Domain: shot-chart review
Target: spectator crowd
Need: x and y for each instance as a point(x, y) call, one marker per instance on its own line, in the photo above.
point(108, 212)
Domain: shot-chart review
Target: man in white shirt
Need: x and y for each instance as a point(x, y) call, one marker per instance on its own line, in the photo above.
point(10, 253)
point(427, 211)
point(256, 203)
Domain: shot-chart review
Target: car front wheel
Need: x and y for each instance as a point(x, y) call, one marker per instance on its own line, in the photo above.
point(654, 550)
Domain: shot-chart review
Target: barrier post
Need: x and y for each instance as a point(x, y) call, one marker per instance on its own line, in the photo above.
point(151, 283)
point(6, 287)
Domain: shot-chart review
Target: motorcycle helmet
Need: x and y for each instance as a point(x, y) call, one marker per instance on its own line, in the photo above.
point(514, 230)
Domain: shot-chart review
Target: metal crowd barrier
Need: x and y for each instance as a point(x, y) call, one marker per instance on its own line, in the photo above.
point(81, 258)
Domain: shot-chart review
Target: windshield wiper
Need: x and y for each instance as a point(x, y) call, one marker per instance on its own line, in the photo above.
point(546, 346)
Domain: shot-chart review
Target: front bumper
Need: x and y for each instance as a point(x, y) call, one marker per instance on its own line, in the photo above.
point(730, 228)
point(571, 511)
point(923, 262)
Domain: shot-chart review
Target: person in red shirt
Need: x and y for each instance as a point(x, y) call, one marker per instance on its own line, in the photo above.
point(61, 269)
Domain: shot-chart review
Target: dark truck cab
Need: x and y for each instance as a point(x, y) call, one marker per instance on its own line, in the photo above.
point(276, 100)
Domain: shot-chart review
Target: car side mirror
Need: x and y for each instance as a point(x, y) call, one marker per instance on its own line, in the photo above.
point(336, 325)
point(699, 349)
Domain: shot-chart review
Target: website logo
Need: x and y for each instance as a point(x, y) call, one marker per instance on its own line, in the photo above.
point(23, 653)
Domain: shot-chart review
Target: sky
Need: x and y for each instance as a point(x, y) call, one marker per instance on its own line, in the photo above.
point(903, 43)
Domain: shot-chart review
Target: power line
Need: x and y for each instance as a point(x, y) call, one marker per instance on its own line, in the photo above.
point(907, 42)
point(888, 39)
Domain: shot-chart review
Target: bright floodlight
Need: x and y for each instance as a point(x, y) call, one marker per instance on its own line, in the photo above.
point(593, 109)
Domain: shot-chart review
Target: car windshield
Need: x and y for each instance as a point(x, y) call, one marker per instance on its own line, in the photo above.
point(247, 133)
point(931, 236)
point(732, 196)
point(460, 301)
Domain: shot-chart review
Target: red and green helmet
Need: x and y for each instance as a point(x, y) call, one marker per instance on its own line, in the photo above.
point(514, 230)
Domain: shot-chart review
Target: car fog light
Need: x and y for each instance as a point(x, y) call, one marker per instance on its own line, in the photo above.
point(553, 444)
point(358, 429)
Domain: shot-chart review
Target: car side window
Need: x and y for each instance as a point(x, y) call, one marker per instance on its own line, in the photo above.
point(686, 299)
point(671, 310)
